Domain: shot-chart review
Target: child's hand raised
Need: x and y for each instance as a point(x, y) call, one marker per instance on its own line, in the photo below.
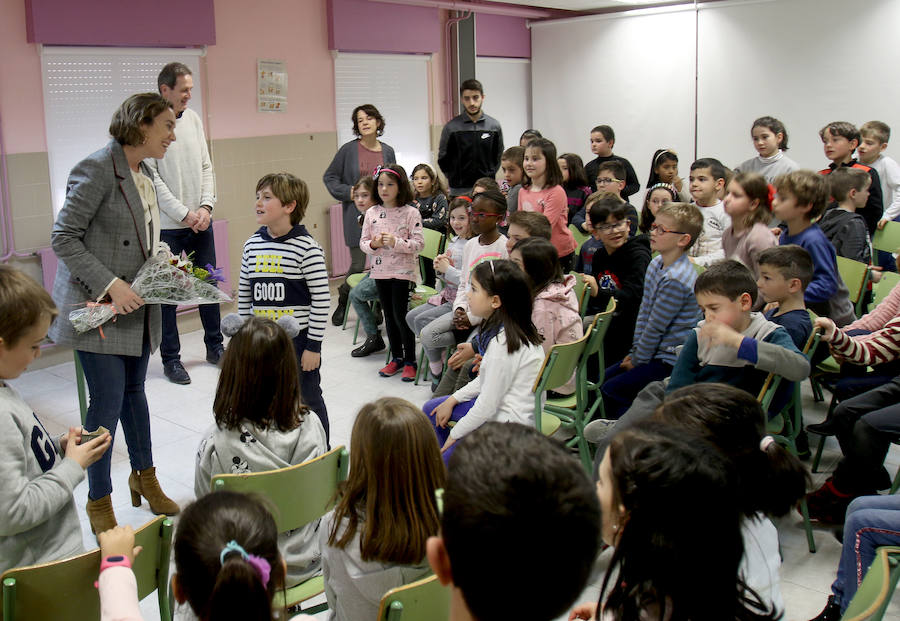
point(87, 453)
point(718, 333)
point(118, 541)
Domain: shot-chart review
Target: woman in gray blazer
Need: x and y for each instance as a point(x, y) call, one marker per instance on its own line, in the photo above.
point(354, 160)
point(107, 228)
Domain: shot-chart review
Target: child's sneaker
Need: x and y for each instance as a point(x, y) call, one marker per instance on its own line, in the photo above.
point(391, 369)
point(409, 373)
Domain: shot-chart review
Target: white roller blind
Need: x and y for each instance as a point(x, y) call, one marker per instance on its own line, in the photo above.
point(507, 91)
point(82, 89)
point(396, 84)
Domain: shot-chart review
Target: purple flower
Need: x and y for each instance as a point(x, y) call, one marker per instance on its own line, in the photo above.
point(215, 274)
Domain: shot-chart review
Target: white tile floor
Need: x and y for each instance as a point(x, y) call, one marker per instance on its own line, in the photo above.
point(179, 414)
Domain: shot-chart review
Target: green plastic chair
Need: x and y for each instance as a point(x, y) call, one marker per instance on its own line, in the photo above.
point(434, 245)
point(787, 425)
point(856, 276)
point(559, 365)
point(64, 590)
point(883, 287)
point(300, 495)
point(580, 237)
point(582, 293)
point(423, 600)
point(887, 239)
point(352, 281)
point(874, 594)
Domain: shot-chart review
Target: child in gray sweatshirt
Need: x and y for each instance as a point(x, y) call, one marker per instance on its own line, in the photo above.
point(38, 521)
point(261, 425)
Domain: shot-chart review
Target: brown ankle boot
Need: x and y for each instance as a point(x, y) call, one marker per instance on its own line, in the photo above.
point(100, 513)
point(144, 483)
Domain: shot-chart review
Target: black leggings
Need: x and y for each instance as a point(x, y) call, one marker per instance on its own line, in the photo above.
point(394, 296)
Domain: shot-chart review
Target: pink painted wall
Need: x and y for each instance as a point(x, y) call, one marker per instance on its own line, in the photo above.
point(498, 35)
point(365, 26)
point(287, 30)
point(126, 24)
point(21, 94)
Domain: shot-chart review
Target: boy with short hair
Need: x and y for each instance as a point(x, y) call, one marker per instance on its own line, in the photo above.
point(839, 140)
point(707, 180)
point(611, 178)
point(525, 224)
point(800, 198)
point(526, 483)
point(617, 271)
point(36, 504)
point(283, 273)
point(842, 225)
point(875, 136)
point(584, 261)
point(667, 313)
point(784, 274)
point(603, 138)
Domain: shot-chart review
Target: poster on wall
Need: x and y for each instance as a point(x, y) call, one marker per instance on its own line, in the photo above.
point(271, 80)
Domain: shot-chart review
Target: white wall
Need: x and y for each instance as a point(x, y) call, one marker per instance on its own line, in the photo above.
point(507, 91)
point(806, 62)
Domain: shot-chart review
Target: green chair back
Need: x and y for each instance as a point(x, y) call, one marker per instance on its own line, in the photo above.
point(874, 594)
point(300, 494)
point(433, 242)
point(423, 600)
point(559, 366)
point(582, 293)
point(580, 237)
point(883, 287)
point(64, 590)
point(856, 276)
point(887, 239)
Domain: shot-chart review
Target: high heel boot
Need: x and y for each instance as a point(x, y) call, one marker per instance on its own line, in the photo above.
point(100, 513)
point(144, 483)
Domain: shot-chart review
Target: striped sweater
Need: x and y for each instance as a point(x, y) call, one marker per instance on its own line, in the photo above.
point(668, 311)
point(286, 276)
point(869, 349)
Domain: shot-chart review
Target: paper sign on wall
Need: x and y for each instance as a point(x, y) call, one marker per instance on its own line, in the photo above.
point(271, 80)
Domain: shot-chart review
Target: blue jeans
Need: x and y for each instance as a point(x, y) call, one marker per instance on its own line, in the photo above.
point(442, 433)
point(311, 385)
point(872, 521)
point(203, 246)
point(116, 386)
point(360, 296)
point(621, 387)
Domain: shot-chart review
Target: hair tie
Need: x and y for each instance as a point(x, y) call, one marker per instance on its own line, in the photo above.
point(771, 196)
point(380, 169)
point(765, 443)
point(258, 563)
point(468, 199)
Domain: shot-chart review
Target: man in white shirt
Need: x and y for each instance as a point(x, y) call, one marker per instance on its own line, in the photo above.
point(186, 193)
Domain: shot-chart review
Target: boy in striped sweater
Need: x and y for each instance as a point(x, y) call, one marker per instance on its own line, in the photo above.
point(283, 273)
point(668, 310)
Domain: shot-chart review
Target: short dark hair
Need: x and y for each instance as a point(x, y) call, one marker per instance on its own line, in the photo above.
point(791, 261)
point(137, 110)
point(716, 168)
point(534, 222)
point(287, 188)
point(170, 74)
point(614, 166)
point(843, 179)
point(775, 126)
point(608, 134)
point(471, 85)
point(606, 206)
point(494, 197)
point(529, 134)
point(540, 261)
point(488, 183)
point(373, 112)
point(506, 483)
point(729, 278)
point(404, 192)
point(514, 155)
point(808, 187)
point(840, 128)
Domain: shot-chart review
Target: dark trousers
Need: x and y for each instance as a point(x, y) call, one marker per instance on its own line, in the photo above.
point(357, 261)
point(867, 425)
point(116, 386)
point(621, 387)
point(311, 384)
point(394, 296)
point(203, 246)
point(567, 262)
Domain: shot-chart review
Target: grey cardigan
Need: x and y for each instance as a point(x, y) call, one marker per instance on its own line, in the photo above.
point(339, 178)
point(99, 234)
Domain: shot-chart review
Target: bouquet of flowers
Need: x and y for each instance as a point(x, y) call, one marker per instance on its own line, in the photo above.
point(163, 279)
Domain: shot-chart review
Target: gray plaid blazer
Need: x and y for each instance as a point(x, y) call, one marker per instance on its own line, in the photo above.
point(100, 234)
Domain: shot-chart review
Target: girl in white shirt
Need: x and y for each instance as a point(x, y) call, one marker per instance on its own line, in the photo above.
point(501, 296)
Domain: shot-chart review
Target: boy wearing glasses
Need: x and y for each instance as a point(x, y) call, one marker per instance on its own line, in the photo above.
point(611, 178)
point(617, 271)
point(667, 313)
